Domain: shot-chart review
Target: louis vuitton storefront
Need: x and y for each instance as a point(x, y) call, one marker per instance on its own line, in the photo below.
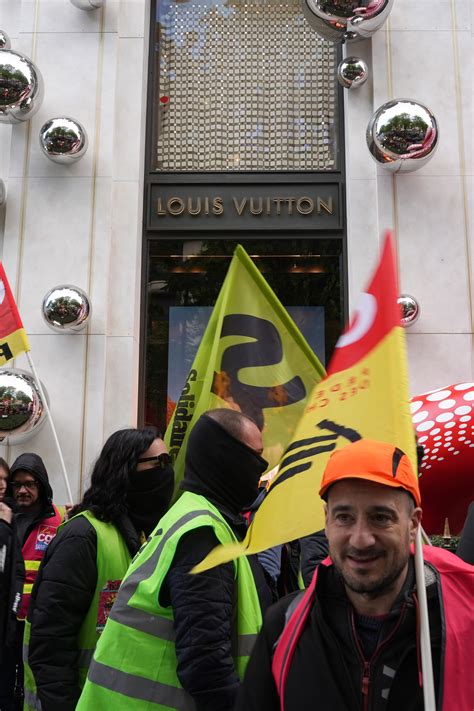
point(245, 145)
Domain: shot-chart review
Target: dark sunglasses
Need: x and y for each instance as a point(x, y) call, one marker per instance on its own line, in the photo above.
point(162, 460)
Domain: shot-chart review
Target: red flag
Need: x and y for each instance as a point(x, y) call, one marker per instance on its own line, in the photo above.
point(13, 338)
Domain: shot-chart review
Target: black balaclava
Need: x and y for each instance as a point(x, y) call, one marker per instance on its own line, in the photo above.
point(149, 496)
point(220, 467)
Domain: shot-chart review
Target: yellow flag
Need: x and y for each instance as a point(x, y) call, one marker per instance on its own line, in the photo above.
point(364, 395)
point(252, 358)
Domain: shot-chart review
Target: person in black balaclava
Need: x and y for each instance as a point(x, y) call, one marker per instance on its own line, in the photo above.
point(223, 464)
point(131, 487)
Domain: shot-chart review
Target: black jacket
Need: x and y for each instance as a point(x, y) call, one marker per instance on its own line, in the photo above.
point(328, 666)
point(12, 576)
point(204, 608)
point(60, 600)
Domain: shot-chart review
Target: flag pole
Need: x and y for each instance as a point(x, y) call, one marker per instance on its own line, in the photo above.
point(426, 661)
point(55, 436)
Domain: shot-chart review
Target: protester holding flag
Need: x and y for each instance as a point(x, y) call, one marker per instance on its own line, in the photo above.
point(178, 641)
point(351, 641)
point(130, 489)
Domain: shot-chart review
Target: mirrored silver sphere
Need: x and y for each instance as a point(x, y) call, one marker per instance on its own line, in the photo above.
point(352, 72)
point(21, 407)
point(4, 40)
point(21, 87)
point(341, 20)
point(87, 4)
point(402, 135)
point(63, 140)
point(409, 309)
point(66, 308)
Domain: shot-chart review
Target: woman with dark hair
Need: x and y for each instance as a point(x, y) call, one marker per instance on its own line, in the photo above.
point(130, 490)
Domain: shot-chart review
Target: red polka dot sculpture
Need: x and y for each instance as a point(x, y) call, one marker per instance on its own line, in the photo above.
point(444, 424)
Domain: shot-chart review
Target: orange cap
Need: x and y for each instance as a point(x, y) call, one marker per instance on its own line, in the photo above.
point(374, 461)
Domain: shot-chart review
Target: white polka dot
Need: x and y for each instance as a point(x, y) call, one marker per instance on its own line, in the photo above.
point(446, 404)
point(466, 418)
point(424, 426)
point(455, 454)
point(463, 410)
point(471, 445)
point(433, 457)
point(450, 424)
point(415, 406)
point(469, 396)
point(464, 386)
point(427, 450)
point(437, 437)
point(451, 449)
point(422, 439)
point(445, 417)
point(463, 426)
point(436, 449)
point(439, 395)
point(468, 441)
point(435, 431)
point(420, 416)
point(440, 459)
point(461, 439)
point(428, 466)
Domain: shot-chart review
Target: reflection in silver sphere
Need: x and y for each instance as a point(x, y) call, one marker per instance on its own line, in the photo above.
point(87, 4)
point(402, 135)
point(409, 309)
point(4, 40)
point(352, 72)
point(341, 20)
point(66, 308)
point(21, 87)
point(21, 408)
point(63, 140)
point(3, 193)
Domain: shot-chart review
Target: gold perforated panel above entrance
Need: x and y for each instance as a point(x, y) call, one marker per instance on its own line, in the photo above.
point(242, 86)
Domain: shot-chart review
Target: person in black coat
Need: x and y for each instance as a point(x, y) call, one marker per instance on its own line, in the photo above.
point(12, 576)
point(131, 487)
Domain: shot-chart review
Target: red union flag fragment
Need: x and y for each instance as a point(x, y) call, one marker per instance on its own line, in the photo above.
point(13, 338)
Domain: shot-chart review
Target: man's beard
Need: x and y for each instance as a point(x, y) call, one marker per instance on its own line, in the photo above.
point(374, 588)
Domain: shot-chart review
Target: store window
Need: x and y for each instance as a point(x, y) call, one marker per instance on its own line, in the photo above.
point(184, 280)
point(242, 86)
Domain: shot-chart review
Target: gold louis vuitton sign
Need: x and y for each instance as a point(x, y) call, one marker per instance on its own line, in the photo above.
point(252, 206)
point(246, 205)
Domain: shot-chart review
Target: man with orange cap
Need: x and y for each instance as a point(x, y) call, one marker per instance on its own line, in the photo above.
point(352, 639)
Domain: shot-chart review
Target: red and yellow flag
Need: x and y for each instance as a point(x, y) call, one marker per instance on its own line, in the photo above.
point(13, 338)
point(364, 395)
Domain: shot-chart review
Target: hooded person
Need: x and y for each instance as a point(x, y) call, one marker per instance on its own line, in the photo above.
point(175, 640)
point(36, 520)
point(130, 489)
point(12, 578)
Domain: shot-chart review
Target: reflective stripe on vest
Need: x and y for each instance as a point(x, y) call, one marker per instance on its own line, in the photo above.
point(138, 622)
point(137, 687)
